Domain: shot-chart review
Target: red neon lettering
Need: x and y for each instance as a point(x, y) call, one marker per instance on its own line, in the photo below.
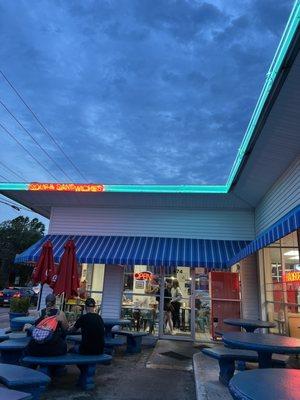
point(65, 187)
point(143, 276)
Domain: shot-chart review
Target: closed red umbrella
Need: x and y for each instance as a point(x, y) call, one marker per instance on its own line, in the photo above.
point(44, 268)
point(67, 281)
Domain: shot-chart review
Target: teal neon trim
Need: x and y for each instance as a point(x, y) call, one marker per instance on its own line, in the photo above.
point(139, 188)
point(13, 186)
point(166, 188)
point(279, 56)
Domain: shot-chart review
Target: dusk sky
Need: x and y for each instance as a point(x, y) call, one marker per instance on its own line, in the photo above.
point(137, 91)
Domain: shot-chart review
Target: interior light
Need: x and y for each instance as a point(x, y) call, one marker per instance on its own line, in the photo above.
point(291, 253)
point(294, 258)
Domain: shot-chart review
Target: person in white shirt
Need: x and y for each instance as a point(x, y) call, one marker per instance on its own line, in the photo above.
point(176, 303)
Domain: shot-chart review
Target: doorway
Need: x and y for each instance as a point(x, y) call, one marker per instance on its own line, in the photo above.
point(178, 317)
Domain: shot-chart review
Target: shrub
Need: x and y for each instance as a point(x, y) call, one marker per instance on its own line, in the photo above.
point(19, 305)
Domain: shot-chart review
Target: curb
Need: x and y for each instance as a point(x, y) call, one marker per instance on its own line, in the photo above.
point(201, 393)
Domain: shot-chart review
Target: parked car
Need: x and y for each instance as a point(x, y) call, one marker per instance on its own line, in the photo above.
point(17, 292)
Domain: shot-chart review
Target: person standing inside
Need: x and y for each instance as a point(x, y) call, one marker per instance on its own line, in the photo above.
point(92, 330)
point(168, 308)
point(176, 303)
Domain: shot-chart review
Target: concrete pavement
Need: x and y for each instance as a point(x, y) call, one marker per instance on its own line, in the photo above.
point(127, 378)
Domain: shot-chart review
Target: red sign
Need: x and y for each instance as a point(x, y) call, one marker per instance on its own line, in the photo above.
point(292, 276)
point(143, 276)
point(65, 187)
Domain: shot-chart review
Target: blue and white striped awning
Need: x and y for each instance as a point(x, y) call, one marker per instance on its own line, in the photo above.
point(153, 251)
point(285, 225)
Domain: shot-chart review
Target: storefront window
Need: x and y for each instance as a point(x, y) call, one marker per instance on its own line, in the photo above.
point(202, 305)
point(282, 284)
point(91, 282)
point(141, 297)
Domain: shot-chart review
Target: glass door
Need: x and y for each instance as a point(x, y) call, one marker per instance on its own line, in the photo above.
point(202, 305)
point(177, 305)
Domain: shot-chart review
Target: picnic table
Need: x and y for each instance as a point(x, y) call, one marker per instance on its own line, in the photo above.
point(110, 322)
point(250, 325)
point(19, 322)
point(264, 343)
point(9, 394)
point(12, 350)
point(267, 384)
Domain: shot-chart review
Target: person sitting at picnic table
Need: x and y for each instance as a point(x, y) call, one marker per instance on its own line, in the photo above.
point(92, 330)
point(55, 345)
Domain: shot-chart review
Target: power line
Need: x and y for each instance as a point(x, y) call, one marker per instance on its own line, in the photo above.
point(10, 205)
point(3, 177)
point(13, 172)
point(43, 126)
point(14, 205)
point(35, 141)
point(27, 151)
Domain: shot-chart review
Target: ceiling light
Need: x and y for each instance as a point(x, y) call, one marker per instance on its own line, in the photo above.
point(291, 253)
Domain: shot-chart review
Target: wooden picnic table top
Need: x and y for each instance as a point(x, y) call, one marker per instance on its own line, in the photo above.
point(262, 342)
point(249, 324)
point(267, 384)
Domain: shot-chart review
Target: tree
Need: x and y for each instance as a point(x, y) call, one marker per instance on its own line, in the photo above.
point(17, 235)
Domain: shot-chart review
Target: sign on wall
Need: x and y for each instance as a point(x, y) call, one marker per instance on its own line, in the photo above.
point(292, 276)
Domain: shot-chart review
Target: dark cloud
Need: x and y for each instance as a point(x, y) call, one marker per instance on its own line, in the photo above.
point(144, 91)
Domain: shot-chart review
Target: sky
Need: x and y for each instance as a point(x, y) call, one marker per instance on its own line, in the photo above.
point(132, 91)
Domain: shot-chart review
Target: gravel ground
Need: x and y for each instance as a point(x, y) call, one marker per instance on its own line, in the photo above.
point(127, 378)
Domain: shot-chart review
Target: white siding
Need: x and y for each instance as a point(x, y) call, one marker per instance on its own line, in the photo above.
point(198, 224)
point(280, 199)
point(249, 287)
point(112, 291)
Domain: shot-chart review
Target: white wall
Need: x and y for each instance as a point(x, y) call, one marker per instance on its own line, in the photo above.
point(173, 223)
point(112, 291)
point(280, 199)
point(250, 287)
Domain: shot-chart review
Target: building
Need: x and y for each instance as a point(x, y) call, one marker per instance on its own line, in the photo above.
point(131, 238)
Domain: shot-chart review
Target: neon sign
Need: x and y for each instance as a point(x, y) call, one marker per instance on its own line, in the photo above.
point(65, 187)
point(292, 276)
point(143, 276)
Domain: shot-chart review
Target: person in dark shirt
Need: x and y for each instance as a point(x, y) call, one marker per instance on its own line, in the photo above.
point(92, 330)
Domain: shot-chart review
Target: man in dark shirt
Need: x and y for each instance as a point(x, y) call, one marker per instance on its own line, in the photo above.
point(92, 330)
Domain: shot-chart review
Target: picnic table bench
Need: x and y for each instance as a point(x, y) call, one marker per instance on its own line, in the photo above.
point(12, 350)
point(3, 336)
point(24, 379)
point(267, 384)
point(226, 358)
point(109, 346)
point(8, 394)
point(134, 340)
point(265, 344)
point(85, 363)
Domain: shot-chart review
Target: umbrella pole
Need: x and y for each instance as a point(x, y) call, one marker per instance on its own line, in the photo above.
point(40, 298)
